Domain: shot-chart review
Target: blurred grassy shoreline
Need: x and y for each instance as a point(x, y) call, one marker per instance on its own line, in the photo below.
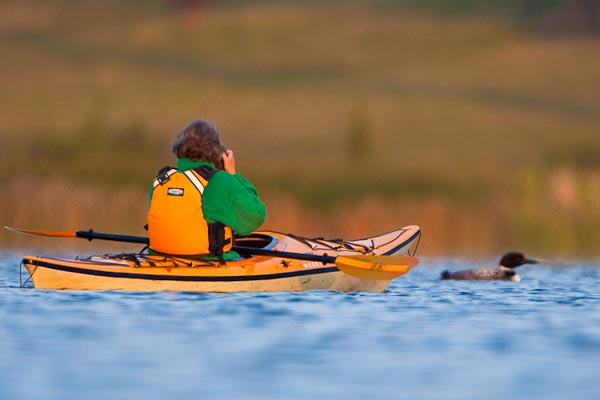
point(477, 121)
point(553, 213)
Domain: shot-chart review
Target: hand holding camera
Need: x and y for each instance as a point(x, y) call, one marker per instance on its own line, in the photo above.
point(229, 161)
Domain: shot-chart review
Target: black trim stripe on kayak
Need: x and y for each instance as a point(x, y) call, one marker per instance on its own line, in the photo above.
point(186, 278)
point(403, 244)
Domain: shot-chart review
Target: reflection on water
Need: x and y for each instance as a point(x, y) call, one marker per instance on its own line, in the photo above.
point(424, 338)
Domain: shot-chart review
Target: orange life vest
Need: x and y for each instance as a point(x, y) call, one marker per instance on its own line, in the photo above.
point(176, 222)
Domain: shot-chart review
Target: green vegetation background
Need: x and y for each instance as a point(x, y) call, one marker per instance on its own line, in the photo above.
point(478, 121)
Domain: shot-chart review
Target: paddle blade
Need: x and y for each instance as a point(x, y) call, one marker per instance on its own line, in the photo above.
point(43, 233)
point(376, 267)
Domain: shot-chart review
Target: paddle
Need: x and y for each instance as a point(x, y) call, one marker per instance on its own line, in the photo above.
point(361, 266)
point(89, 235)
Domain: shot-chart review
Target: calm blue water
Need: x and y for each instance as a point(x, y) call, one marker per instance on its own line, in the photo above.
point(423, 339)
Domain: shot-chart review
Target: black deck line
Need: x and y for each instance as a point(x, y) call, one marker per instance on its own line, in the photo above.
point(403, 244)
point(153, 277)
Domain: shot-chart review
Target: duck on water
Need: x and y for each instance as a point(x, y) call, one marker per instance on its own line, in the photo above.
point(504, 271)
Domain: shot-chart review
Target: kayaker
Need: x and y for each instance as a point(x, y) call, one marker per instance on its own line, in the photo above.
point(197, 208)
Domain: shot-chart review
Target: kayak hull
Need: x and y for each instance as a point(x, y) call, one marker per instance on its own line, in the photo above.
point(330, 278)
point(144, 272)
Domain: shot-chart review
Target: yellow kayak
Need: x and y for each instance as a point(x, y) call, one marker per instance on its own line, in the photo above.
point(286, 263)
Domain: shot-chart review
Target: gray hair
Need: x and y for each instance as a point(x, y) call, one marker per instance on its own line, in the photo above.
point(199, 141)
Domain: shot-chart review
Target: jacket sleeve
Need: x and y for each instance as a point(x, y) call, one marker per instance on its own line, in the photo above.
point(233, 201)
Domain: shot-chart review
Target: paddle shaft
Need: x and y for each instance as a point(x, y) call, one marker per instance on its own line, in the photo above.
point(325, 259)
point(91, 235)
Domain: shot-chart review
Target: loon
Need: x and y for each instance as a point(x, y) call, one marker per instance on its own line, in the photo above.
point(505, 270)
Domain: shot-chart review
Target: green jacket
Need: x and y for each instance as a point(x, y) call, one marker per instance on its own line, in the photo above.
point(229, 199)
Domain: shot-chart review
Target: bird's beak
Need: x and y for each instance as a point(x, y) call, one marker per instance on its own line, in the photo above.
point(530, 261)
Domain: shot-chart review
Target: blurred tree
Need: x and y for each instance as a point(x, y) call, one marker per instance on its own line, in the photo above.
point(564, 15)
point(584, 14)
point(358, 137)
point(192, 8)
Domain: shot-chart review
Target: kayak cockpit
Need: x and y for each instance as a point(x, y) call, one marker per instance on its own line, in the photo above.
point(257, 241)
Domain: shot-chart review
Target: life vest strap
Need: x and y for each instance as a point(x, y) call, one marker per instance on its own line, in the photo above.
point(216, 240)
point(164, 175)
point(194, 180)
point(206, 172)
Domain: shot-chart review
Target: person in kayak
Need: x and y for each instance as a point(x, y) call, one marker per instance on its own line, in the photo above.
point(198, 207)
